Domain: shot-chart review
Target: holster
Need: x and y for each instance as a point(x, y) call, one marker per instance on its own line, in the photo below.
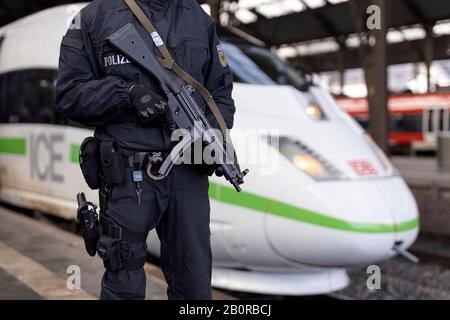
point(88, 220)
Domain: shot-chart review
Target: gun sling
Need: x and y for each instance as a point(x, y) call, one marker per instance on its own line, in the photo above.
point(169, 63)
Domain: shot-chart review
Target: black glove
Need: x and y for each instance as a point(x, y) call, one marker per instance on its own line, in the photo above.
point(150, 106)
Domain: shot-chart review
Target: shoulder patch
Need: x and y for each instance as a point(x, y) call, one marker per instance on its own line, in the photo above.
point(221, 55)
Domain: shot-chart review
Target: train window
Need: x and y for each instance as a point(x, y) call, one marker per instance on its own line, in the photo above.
point(244, 69)
point(27, 96)
point(4, 111)
point(279, 71)
point(406, 123)
point(256, 65)
point(363, 121)
point(430, 120)
point(441, 120)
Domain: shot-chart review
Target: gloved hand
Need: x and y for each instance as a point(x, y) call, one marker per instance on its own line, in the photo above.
point(150, 106)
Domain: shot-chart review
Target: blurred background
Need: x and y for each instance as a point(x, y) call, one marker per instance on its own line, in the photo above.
point(359, 91)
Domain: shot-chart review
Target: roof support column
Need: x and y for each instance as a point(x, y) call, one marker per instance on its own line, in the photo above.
point(341, 64)
point(429, 53)
point(377, 86)
point(215, 6)
point(373, 57)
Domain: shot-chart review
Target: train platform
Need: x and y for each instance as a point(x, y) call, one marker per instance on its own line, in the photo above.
point(431, 189)
point(422, 171)
point(38, 261)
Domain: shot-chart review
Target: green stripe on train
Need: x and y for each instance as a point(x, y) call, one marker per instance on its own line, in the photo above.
point(74, 153)
point(277, 208)
point(16, 146)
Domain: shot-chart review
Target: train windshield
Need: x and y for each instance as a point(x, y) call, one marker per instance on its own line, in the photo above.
point(255, 65)
point(398, 122)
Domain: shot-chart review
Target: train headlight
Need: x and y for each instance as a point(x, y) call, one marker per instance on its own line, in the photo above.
point(387, 164)
point(307, 160)
point(309, 165)
point(314, 111)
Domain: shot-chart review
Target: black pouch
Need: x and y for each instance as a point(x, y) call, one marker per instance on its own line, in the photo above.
point(89, 162)
point(108, 251)
point(112, 160)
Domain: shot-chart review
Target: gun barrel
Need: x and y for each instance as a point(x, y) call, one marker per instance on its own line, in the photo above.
point(81, 198)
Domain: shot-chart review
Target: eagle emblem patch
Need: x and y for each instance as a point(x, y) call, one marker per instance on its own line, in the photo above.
point(221, 55)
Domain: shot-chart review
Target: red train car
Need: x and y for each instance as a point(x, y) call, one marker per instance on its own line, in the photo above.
point(415, 119)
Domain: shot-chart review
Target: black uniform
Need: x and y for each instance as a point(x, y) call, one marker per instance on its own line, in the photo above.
point(93, 89)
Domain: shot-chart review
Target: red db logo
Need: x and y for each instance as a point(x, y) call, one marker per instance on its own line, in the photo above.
point(363, 168)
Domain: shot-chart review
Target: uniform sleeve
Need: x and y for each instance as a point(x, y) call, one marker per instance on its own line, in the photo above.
point(81, 94)
point(219, 79)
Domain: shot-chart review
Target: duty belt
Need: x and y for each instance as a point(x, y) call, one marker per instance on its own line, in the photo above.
point(148, 162)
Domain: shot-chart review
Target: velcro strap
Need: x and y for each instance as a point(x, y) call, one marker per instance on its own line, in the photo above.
point(114, 231)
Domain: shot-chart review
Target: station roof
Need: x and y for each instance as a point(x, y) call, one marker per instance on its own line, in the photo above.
point(334, 20)
point(397, 53)
point(287, 23)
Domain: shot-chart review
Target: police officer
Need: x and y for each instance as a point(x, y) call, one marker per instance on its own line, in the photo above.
point(99, 87)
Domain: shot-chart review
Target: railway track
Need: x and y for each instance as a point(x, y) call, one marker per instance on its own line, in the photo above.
point(433, 248)
point(400, 279)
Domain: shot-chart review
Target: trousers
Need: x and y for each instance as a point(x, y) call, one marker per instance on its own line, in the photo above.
point(178, 207)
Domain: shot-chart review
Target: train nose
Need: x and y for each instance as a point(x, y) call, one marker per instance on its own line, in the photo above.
point(359, 223)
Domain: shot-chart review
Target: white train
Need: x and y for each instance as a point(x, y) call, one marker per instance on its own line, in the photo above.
point(332, 201)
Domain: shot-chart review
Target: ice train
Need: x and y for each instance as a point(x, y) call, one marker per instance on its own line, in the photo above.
point(326, 198)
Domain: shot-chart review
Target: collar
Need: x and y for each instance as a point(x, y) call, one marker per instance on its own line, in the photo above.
point(121, 5)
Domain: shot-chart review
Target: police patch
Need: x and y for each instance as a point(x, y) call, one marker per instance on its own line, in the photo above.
point(115, 59)
point(221, 55)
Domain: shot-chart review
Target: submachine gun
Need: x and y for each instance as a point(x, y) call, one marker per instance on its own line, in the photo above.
point(183, 107)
